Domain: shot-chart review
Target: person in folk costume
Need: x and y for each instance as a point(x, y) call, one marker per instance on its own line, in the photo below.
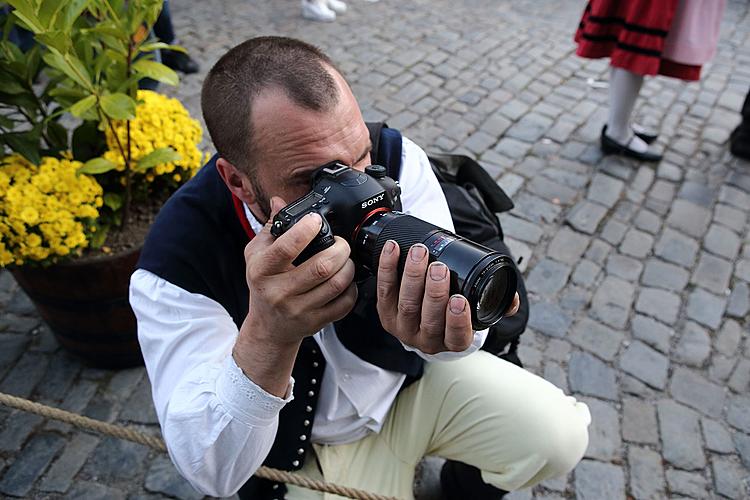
point(645, 37)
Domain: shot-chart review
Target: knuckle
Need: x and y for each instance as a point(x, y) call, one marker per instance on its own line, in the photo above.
point(338, 284)
point(436, 293)
point(409, 307)
point(275, 299)
point(322, 268)
point(432, 326)
point(285, 250)
point(414, 272)
point(387, 263)
point(383, 291)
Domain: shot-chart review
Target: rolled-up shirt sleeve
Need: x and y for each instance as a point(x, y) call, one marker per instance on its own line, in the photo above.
point(218, 425)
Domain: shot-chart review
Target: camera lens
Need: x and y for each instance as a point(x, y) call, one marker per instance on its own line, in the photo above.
point(490, 295)
point(485, 277)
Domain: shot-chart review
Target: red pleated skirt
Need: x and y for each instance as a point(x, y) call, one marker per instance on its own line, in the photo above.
point(632, 34)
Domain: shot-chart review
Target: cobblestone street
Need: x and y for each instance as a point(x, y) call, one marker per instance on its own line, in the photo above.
point(638, 274)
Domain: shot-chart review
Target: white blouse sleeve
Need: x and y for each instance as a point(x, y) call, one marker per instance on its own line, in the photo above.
point(423, 198)
point(218, 425)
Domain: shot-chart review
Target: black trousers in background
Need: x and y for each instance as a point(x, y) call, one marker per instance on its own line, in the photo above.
point(163, 28)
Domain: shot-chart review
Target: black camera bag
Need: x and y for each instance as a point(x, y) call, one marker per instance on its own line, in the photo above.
point(474, 198)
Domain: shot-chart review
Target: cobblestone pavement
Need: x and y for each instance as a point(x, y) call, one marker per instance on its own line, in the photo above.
point(639, 274)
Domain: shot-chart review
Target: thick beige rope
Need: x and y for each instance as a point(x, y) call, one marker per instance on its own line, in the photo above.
point(157, 443)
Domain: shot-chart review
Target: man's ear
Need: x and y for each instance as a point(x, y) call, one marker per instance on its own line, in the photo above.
point(237, 181)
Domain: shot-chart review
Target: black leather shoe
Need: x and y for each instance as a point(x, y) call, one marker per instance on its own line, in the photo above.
point(610, 146)
point(179, 61)
point(739, 143)
point(647, 138)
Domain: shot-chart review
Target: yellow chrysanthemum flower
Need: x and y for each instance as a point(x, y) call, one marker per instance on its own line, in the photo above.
point(46, 211)
point(160, 122)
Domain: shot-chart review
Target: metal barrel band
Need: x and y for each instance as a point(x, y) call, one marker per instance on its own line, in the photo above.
point(156, 443)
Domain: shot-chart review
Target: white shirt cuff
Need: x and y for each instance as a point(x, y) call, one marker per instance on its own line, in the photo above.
point(244, 399)
point(477, 342)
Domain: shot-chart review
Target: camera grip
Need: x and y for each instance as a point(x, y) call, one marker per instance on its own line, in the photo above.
point(322, 240)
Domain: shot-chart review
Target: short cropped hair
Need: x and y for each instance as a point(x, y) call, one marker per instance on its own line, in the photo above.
point(296, 67)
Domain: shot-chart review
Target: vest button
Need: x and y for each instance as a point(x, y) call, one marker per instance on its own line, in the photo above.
point(302, 437)
point(308, 409)
point(315, 364)
point(301, 451)
point(306, 423)
point(313, 381)
point(295, 463)
point(275, 487)
point(311, 393)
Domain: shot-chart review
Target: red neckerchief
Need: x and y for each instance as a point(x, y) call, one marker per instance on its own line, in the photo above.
point(239, 207)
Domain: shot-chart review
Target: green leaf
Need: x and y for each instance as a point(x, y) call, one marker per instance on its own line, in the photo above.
point(25, 11)
point(118, 106)
point(157, 71)
point(155, 157)
point(58, 40)
point(80, 69)
point(33, 58)
point(119, 47)
point(24, 101)
point(6, 122)
point(48, 12)
point(100, 236)
point(11, 52)
point(113, 201)
point(25, 143)
point(10, 84)
point(73, 10)
point(79, 108)
point(104, 28)
point(96, 166)
point(57, 135)
point(71, 66)
point(150, 47)
point(88, 141)
point(17, 68)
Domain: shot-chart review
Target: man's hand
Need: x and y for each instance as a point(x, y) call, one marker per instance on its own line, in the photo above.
point(420, 312)
point(289, 303)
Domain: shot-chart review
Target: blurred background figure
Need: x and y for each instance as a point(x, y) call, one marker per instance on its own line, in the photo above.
point(322, 10)
point(739, 142)
point(164, 31)
point(645, 37)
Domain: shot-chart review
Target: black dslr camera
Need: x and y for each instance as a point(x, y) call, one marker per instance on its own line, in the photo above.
point(363, 208)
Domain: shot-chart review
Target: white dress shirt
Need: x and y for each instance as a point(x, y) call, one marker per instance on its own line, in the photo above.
point(219, 425)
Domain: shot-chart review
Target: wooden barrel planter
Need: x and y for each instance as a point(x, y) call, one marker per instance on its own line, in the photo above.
point(85, 303)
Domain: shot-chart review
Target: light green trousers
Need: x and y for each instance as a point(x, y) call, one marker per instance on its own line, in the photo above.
point(516, 427)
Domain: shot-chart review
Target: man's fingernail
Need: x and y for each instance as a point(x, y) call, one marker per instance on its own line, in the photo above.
point(457, 304)
point(389, 247)
point(316, 216)
point(438, 271)
point(417, 253)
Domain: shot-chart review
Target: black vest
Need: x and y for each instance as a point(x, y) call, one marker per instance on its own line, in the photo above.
point(197, 243)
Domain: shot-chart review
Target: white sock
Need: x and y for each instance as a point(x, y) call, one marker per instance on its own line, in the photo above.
point(624, 87)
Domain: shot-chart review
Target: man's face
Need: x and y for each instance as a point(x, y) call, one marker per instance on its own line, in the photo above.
point(291, 142)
